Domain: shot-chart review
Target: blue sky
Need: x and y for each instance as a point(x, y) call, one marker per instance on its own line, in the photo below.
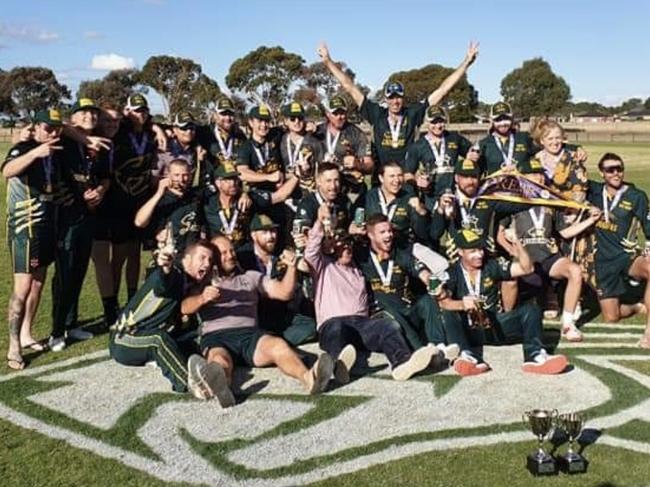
point(599, 47)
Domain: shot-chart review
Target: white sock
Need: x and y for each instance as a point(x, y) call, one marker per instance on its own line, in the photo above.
point(568, 318)
point(577, 313)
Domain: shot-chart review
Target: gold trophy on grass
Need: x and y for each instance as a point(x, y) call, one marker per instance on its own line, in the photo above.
point(571, 424)
point(541, 422)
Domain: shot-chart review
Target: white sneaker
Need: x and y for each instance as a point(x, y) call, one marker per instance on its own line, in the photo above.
point(56, 344)
point(79, 334)
point(207, 380)
point(344, 363)
point(449, 351)
point(419, 360)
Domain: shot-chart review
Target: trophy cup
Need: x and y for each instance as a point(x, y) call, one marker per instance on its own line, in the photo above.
point(572, 462)
point(540, 422)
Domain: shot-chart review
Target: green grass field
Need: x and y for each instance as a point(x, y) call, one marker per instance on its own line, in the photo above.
point(29, 458)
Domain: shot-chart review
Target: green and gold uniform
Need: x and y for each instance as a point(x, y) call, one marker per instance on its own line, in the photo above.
point(82, 169)
point(134, 159)
point(389, 283)
point(184, 213)
point(350, 141)
point(148, 327)
point(524, 323)
point(437, 159)
point(309, 149)
point(294, 320)
point(480, 216)
point(340, 209)
point(228, 221)
point(389, 147)
point(221, 146)
point(31, 210)
point(616, 232)
point(408, 224)
point(264, 158)
point(496, 150)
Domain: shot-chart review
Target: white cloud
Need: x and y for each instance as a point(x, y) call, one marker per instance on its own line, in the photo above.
point(93, 34)
point(27, 33)
point(108, 62)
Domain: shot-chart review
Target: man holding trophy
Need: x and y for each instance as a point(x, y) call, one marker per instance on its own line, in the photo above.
point(472, 296)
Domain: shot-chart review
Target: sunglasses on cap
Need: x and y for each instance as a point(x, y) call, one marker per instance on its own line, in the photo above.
point(394, 89)
point(613, 169)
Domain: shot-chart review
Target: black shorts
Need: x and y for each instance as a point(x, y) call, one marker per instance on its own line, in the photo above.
point(612, 275)
point(240, 343)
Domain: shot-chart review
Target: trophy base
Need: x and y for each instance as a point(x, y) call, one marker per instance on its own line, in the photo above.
point(541, 466)
point(573, 464)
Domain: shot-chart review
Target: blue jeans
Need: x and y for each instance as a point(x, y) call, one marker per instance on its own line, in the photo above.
point(372, 334)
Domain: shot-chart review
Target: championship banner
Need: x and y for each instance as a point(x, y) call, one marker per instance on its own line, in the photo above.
point(511, 185)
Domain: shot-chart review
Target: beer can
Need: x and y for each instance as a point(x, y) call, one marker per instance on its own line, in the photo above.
point(359, 217)
point(435, 286)
point(297, 226)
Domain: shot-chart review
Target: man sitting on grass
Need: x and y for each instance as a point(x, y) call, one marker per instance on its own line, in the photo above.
point(230, 333)
point(149, 326)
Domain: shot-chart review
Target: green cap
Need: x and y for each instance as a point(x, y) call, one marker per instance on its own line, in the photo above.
point(225, 104)
point(533, 166)
point(84, 104)
point(436, 112)
point(260, 112)
point(500, 109)
point(183, 119)
point(262, 222)
point(338, 103)
point(50, 116)
point(293, 109)
point(467, 167)
point(136, 101)
point(226, 170)
point(468, 239)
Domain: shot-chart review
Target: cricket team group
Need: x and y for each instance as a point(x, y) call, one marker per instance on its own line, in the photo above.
point(408, 240)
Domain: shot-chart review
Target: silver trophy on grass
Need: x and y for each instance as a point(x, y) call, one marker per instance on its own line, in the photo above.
point(541, 422)
point(572, 424)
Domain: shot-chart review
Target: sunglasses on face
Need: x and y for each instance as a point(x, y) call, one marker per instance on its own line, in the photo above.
point(188, 128)
point(296, 119)
point(339, 113)
point(51, 129)
point(613, 169)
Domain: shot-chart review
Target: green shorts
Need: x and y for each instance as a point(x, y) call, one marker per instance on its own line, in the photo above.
point(612, 275)
point(30, 254)
point(240, 343)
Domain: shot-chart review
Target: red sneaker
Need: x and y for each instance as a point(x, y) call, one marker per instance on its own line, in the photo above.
point(546, 364)
point(466, 366)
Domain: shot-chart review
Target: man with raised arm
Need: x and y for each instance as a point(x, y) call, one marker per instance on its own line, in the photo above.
point(395, 127)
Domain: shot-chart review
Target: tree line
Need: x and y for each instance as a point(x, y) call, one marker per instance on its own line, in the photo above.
point(275, 76)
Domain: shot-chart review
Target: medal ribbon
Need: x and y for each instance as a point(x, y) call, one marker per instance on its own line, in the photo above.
point(385, 278)
point(507, 158)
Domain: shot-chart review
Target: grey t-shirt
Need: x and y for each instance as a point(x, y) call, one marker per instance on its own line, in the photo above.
point(237, 305)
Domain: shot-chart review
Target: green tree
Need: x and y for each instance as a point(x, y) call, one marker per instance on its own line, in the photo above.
point(181, 84)
point(265, 74)
point(114, 88)
point(6, 106)
point(30, 89)
point(419, 83)
point(646, 103)
point(630, 104)
point(535, 90)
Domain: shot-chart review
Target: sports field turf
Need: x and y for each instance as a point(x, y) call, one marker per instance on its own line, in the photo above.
point(74, 418)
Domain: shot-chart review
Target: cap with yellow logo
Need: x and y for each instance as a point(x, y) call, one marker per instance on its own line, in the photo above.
point(260, 112)
point(84, 104)
point(50, 116)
